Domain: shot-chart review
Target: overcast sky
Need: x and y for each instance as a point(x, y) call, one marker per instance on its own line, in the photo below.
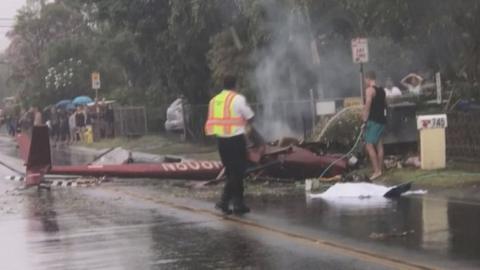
point(8, 9)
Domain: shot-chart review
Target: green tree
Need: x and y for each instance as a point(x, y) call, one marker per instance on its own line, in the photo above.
point(42, 40)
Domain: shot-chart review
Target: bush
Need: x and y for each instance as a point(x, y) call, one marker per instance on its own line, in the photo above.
point(342, 132)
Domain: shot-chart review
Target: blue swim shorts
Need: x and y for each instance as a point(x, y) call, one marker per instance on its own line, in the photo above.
point(373, 132)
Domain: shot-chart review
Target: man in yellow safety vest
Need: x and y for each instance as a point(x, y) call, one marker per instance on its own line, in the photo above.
point(229, 116)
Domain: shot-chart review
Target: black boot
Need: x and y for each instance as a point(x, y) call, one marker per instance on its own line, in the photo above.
point(224, 203)
point(222, 206)
point(239, 207)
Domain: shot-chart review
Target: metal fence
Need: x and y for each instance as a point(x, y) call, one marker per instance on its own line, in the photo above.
point(285, 119)
point(463, 135)
point(195, 118)
point(156, 119)
point(293, 118)
point(130, 121)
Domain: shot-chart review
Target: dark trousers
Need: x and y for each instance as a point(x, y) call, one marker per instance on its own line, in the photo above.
point(233, 153)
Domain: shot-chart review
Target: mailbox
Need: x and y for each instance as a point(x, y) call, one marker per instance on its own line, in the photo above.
point(432, 141)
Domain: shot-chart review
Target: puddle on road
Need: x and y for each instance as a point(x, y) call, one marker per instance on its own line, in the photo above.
point(64, 231)
point(442, 226)
point(61, 155)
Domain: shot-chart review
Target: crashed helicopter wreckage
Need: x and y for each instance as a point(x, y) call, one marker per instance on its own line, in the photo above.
point(292, 162)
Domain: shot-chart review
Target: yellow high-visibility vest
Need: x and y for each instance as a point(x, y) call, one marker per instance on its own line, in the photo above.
point(222, 120)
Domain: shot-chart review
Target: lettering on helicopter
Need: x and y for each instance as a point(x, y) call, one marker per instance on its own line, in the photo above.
point(192, 165)
point(95, 166)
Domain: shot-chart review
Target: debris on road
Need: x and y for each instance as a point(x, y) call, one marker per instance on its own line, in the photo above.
point(383, 236)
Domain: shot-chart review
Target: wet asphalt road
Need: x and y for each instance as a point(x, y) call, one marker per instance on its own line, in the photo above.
point(124, 225)
point(62, 230)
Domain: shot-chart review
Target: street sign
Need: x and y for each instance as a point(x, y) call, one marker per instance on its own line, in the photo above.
point(360, 50)
point(96, 80)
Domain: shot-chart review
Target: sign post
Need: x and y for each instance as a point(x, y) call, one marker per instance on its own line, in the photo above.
point(96, 84)
point(438, 82)
point(360, 56)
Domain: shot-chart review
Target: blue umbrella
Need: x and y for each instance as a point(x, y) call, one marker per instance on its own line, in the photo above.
point(82, 100)
point(63, 103)
point(70, 106)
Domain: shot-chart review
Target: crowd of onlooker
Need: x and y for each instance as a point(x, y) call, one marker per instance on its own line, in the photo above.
point(66, 125)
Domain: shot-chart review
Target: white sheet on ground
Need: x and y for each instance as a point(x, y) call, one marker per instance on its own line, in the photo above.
point(354, 196)
point(352, 190)
point(358, 190)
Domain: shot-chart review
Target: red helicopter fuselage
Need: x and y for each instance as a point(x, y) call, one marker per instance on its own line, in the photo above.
point(290, 162)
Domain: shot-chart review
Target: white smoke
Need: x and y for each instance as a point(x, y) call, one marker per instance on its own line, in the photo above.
point(279, 73)
point(302, 55)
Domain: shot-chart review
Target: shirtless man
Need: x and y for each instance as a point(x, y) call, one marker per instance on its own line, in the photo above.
point(374, 118)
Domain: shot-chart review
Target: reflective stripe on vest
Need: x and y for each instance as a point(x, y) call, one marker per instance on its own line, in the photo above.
point(222, 119)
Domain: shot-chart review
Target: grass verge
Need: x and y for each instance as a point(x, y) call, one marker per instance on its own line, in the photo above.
point(435, 179)
point(160, 145)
